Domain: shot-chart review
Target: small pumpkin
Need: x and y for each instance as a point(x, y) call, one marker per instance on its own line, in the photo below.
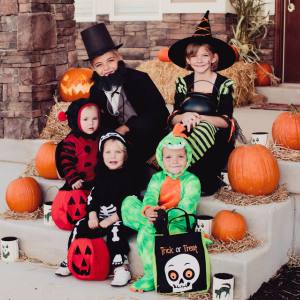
point(88, 259)
point(229, 225)
point(45, 161)
point(253, 170)
point(75, 84)
point(286, 130)
point(263, 72)
point(163, 54)
point(23, 195)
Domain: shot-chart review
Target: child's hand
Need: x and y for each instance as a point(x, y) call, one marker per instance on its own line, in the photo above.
point(93, 223)
point(151, 213)
point(77, 185)
point(105, 223)
point(109, 220)
point(190, 120)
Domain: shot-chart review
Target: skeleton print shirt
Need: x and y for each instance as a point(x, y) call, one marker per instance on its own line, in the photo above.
point(110, 189)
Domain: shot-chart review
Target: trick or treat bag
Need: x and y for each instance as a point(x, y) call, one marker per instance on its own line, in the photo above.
point(68, 208)
point(88, 259)
point(181, 260)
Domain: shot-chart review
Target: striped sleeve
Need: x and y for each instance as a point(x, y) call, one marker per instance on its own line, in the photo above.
point(68, 162)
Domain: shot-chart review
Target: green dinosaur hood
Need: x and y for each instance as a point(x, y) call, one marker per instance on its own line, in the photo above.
point(171, 140)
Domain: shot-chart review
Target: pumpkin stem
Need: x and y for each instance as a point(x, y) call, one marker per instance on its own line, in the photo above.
point(293, 109)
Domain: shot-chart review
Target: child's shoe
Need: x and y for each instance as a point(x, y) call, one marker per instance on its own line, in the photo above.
point(121, 276)
point(63, 269)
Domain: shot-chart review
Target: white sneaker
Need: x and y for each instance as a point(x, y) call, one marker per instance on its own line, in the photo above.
point(63, 269)
point(121, 276)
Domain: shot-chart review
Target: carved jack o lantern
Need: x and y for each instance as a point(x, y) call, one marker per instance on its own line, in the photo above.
point(88, 259)
point(69, 207)
point(75, 84)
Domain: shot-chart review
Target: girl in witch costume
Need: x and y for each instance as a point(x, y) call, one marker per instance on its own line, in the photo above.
point(204, 102)
point(172, 187)
point(130, 102)
point(76, 159)
point(114, 181)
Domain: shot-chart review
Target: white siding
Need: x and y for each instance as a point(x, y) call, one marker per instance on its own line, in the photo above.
point(144, 10)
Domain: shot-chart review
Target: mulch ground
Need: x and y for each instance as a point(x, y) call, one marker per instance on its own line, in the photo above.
point(284, 285)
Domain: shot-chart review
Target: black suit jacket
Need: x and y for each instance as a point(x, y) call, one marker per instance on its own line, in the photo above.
point(149, 126)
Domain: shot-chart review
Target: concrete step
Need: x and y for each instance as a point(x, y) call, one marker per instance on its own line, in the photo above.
point(255, 120)
point(14, 156)
point(21, 151)
point(290, 175)
point(250, 268)
point(49, 187)
point(265, 222)
point(286, 93)
point(23, 280)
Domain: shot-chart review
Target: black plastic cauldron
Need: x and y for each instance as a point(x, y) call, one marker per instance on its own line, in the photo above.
point(200, 103)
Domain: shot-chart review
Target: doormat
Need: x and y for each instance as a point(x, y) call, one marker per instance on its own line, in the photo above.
point(274, 106)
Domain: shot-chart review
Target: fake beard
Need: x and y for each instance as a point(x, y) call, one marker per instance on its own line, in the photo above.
point(106, 83)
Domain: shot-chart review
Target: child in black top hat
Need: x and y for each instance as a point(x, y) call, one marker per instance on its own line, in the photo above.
point(204, 102)
point(131, 104)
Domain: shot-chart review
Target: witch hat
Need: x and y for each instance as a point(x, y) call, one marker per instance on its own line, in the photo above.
point(202, 35)
point(97, 40)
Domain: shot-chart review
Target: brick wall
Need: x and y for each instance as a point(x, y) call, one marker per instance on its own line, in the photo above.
point(37, 42)
point(142, 40)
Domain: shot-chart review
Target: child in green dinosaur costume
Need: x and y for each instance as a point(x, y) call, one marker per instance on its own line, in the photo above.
point(172, 187)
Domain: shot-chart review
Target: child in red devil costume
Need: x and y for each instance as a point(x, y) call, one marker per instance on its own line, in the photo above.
point(76, 159)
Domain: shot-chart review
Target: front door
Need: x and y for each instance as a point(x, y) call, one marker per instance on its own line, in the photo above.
point(291, 42)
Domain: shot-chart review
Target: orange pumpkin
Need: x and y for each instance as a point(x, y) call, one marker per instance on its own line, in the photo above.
point(253, 170)
point(229, 225)
point(23, 195)
point(163, 55)
point(263, 71)
point(45, 161)
point(286, 130)
point(75, 84)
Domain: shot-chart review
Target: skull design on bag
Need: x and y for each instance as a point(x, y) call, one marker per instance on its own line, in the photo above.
point(182, 271)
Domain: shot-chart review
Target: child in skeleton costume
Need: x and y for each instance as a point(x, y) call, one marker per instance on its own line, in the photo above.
point(204, 102)
point(76, 160)
point(114, 181)
point(172, 187)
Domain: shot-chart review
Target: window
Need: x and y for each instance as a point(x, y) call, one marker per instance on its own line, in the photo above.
point(136, 10)
point(85, 10)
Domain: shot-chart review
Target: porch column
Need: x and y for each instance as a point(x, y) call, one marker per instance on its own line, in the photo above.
point(37, 44)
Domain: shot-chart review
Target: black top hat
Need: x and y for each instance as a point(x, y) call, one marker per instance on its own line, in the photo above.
point(202, 35)
point(97, 40)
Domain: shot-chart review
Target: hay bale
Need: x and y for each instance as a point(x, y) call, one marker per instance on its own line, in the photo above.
point(164, 75)
point(56, 130)
point(243, 74)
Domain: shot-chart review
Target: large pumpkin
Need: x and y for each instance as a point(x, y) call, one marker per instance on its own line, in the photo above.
point(45, 161)
point(229, 225)
point(163, 55)
point(253, 170)
point(88, 259)
point(23, 195)
point(286, 130)
point(263, 72)
point(75, 84)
